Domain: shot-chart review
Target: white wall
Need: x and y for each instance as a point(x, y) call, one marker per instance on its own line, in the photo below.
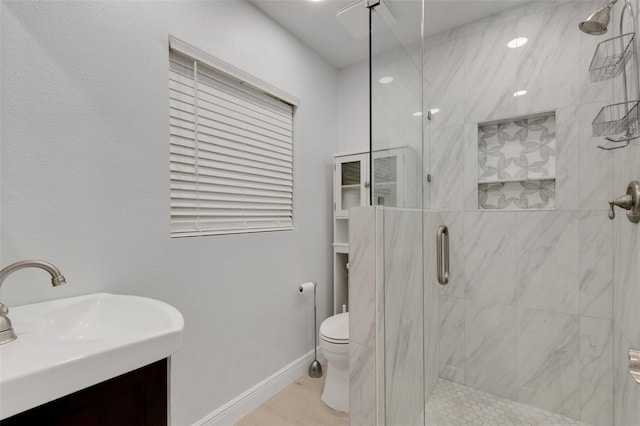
point(85, 181)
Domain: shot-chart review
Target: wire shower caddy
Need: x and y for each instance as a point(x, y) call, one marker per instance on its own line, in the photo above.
point(618, 123)
point(611, 56)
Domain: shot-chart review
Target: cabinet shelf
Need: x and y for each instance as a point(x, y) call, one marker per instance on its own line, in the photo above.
point(350, 186)
point(512, 180)
point(341, 248)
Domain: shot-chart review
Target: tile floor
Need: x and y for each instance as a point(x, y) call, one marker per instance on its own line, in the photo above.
point(450, 404)
point(453, 404)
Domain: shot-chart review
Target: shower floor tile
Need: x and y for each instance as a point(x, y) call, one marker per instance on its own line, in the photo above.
point(453, 404)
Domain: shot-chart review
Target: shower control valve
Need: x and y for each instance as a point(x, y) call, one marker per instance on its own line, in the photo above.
point(630, 202)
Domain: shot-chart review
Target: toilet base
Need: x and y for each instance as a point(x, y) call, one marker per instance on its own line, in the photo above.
point(336, 387)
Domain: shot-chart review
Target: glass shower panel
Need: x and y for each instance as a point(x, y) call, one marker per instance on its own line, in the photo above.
point(396, 179)
point(396, 122)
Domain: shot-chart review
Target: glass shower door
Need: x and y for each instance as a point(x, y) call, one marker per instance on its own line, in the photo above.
point(397, 181)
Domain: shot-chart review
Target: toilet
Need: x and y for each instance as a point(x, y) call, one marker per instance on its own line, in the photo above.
point(334, 344)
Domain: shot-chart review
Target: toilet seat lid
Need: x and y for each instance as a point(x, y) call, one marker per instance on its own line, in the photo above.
point(336, 327)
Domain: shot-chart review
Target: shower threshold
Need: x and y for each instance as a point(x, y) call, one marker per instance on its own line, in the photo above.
point(453, 404)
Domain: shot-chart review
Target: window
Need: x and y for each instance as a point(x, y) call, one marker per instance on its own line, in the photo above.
point(231, 144)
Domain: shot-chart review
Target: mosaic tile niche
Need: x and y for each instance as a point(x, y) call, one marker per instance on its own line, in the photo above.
point(517, 163)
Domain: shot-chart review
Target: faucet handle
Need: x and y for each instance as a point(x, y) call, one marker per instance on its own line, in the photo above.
point(630, 202)
point(6, 329)
point(612, 213)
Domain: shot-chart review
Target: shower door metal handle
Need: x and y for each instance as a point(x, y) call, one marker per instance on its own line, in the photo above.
point(442, 254)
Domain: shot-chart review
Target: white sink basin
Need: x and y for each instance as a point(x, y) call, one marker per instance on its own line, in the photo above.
point(69, 344)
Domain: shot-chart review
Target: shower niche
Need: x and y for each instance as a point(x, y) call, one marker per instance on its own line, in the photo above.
point(517, 163)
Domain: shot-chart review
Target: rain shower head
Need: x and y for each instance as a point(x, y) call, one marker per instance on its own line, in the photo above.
point(597, 22)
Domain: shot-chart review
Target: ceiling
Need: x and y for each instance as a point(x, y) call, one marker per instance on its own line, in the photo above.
point(315, 23)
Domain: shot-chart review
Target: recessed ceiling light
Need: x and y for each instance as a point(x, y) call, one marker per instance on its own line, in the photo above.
point(315, 1)
point(520, 93)
point(385, 80)
point(517, 42)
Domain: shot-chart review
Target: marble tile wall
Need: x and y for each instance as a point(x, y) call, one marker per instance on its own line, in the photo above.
point(403, 316)
point(364, 359)
point(431, 304)
point(528, 313)
point(390, 368)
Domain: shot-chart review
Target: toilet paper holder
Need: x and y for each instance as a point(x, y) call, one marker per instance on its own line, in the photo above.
point(315, 369)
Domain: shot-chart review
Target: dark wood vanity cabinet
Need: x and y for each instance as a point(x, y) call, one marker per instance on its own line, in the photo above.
point(137, 398)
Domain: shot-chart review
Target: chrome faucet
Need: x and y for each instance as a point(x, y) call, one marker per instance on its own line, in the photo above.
point(6, 329)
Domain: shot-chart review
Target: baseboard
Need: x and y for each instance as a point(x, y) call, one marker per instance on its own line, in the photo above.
point(243, 404)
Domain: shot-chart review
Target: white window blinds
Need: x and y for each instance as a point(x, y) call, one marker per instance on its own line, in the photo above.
point(231, 154)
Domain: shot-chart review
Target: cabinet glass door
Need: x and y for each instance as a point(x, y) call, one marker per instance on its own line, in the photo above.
point(385, 180)
point(351, 172)
point(350, 176)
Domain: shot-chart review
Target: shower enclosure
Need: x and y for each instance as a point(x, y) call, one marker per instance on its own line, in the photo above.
point(486, 127)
